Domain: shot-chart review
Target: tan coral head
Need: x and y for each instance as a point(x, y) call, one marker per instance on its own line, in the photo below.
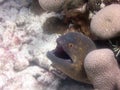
point(106, 23)
point(102, 69)
point(51, 5)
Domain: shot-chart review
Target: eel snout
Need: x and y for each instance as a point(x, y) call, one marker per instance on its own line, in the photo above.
point(59, 56)
point(59, 52)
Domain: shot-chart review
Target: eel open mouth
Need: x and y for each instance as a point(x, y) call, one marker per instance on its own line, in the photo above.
point(59, 53)
point(60, 58)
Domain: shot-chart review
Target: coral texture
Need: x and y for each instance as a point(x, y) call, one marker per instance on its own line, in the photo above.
point(51, 5)
point(96, 5)
point(103, 70)
point(23, 47)
point(106, 24)
point(58, 5)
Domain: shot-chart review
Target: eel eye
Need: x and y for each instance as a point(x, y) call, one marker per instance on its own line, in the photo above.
point(70, 45)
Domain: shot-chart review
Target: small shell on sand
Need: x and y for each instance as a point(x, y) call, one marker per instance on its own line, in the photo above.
point(106, 24)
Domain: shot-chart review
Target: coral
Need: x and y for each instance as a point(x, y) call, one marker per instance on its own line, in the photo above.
point(18, 36)
point(102, 69)
point(53, 5)
point(96, 5)
point(24, 44)
point(105, 24)
point(23, 48)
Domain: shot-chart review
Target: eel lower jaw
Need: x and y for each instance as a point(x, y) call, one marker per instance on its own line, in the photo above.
point(58, 62)
point(55, 61)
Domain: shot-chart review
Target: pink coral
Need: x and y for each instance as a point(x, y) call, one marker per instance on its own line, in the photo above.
point(106, 24)
point(51, 5)
point(103, 70)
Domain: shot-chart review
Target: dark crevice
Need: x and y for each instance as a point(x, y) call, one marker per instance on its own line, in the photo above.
point(59, 52)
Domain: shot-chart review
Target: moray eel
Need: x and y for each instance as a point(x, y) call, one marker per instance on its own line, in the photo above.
point(69, 55)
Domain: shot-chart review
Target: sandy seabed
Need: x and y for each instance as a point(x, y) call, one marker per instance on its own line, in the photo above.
point(23, 48)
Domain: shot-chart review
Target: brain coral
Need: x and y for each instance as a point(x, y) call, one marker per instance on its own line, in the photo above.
point(58, 5)
point(96, 5)
point(106, 24)
point(102, 69)
point(51, 5)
